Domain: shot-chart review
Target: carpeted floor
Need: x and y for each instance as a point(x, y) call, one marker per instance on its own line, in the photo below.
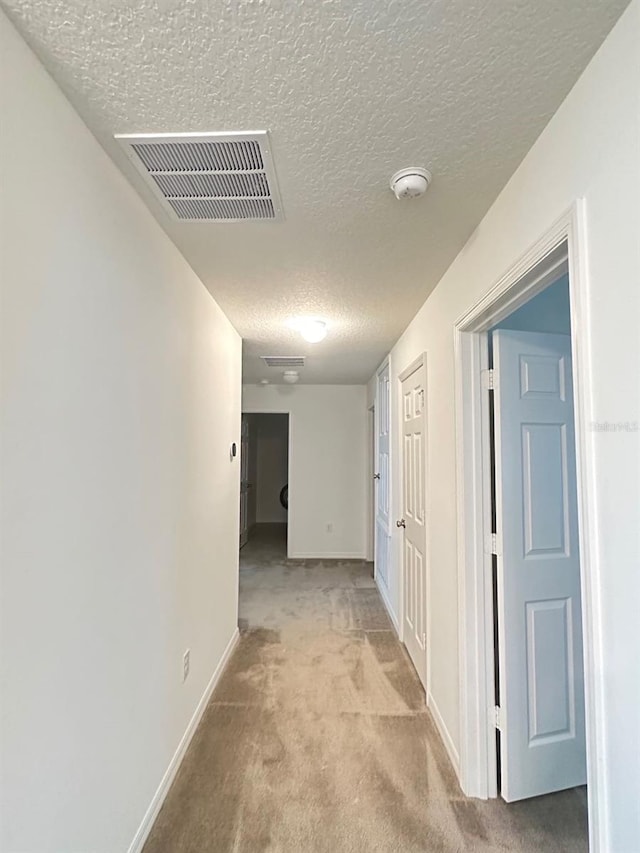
point(317, 737)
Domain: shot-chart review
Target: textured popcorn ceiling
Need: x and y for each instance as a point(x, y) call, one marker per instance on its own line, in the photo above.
point(351, 92)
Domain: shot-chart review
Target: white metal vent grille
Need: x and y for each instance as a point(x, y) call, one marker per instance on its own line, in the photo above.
point(288, 361)
point(215, 177)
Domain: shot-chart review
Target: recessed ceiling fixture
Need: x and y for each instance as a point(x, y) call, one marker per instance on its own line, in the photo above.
point(291, 376)
point(311, 329)
point(411, 182)
point(208, 177)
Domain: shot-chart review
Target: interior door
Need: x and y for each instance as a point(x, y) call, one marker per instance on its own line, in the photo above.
point(381, 477)
point(244, 484)
point(539, 609)
point(413, 520)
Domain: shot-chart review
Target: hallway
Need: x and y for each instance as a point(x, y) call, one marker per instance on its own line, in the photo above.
point(317, 738)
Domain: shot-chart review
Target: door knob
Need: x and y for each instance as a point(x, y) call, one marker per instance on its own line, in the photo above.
point(376, 476)
point(400, 523)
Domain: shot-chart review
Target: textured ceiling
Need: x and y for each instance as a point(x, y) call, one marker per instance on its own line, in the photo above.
point(351, 92)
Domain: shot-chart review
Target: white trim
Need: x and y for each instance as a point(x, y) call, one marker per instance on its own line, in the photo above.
point(478, 770)
point(595, 687)
point(384, 363)
point(384, 595)
point(477, 745)
point(416, 364)
point(505, 298)
point(174, 765)
point(444, 733)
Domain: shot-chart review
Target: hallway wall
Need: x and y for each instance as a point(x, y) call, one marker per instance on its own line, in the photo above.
point(588, 150)
point(120, 399)
point(327, 464)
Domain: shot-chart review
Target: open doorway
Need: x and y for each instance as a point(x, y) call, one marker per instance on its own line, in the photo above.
point(545, 497)
point(264, 480)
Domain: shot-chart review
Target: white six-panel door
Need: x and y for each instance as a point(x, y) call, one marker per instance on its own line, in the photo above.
point(539, 609)
point(382, 474)
point(413, 520)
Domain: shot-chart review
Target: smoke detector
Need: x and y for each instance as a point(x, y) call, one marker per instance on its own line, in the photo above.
point(410, 183)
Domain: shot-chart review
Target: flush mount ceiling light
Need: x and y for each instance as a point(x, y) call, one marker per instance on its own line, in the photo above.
point(291, 376)
point(312, 330)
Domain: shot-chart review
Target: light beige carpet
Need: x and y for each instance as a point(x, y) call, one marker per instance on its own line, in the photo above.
point(317, 737)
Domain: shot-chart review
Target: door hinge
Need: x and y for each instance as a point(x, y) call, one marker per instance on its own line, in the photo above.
point(497, 718)
point(491, 544)
point(488, 379)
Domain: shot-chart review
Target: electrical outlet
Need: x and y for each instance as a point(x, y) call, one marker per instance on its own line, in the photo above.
point(330, 527)
point(185, 664)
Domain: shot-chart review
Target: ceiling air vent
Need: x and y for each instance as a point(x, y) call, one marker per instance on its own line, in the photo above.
point(208, 177)
point(287, 361)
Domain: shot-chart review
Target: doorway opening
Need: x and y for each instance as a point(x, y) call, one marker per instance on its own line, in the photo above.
point(545, 498)
point(264, 477)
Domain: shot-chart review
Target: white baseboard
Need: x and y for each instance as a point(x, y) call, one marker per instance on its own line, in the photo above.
point(384, 595)
point(158, 798)
point(444, 733)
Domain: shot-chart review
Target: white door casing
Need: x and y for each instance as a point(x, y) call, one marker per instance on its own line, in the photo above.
point(382, 542)
point(244, 485)
point(413, 522)
point(541, 676)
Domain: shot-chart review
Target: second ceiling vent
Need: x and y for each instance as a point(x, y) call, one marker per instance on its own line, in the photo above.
point(208, 177)
point(288, 361)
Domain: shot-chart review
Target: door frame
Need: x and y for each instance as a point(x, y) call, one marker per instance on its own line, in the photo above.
point(565, 241)
point(420, 361)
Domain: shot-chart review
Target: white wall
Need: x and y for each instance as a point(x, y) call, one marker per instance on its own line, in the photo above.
point(589, 149)
point(273, 467)
point(327, 464)
point(120, 398)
